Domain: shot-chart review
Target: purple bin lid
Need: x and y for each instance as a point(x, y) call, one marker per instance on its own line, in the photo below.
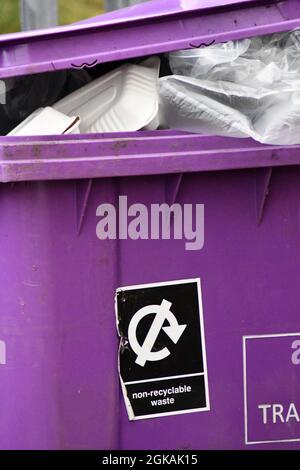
point(148, 28)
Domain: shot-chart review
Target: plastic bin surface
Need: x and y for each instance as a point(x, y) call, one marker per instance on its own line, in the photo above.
point(58, 341)
point(60, 386)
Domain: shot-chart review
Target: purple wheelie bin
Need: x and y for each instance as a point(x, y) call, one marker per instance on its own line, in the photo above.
point(60, 386)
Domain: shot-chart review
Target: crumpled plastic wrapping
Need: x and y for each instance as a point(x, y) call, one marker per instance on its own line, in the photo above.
point(246, 88)
point(24, 94)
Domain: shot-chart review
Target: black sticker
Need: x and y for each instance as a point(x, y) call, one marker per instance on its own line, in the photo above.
point(162, 360)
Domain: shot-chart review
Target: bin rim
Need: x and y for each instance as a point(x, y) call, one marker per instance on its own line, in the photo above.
point(134, 154)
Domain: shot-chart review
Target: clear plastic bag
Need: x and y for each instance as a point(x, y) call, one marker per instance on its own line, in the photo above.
point(257, 81)
point(199, 62)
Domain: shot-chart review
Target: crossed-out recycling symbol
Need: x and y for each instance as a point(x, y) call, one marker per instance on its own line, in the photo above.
point(174, 331)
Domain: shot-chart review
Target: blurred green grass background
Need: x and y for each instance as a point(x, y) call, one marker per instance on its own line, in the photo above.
point(69, 12)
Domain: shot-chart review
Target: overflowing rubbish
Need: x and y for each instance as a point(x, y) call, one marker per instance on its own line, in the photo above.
point(24, 95)
point(125, 99)
point(246, 88)
point(243, 88)
point(47, 121)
